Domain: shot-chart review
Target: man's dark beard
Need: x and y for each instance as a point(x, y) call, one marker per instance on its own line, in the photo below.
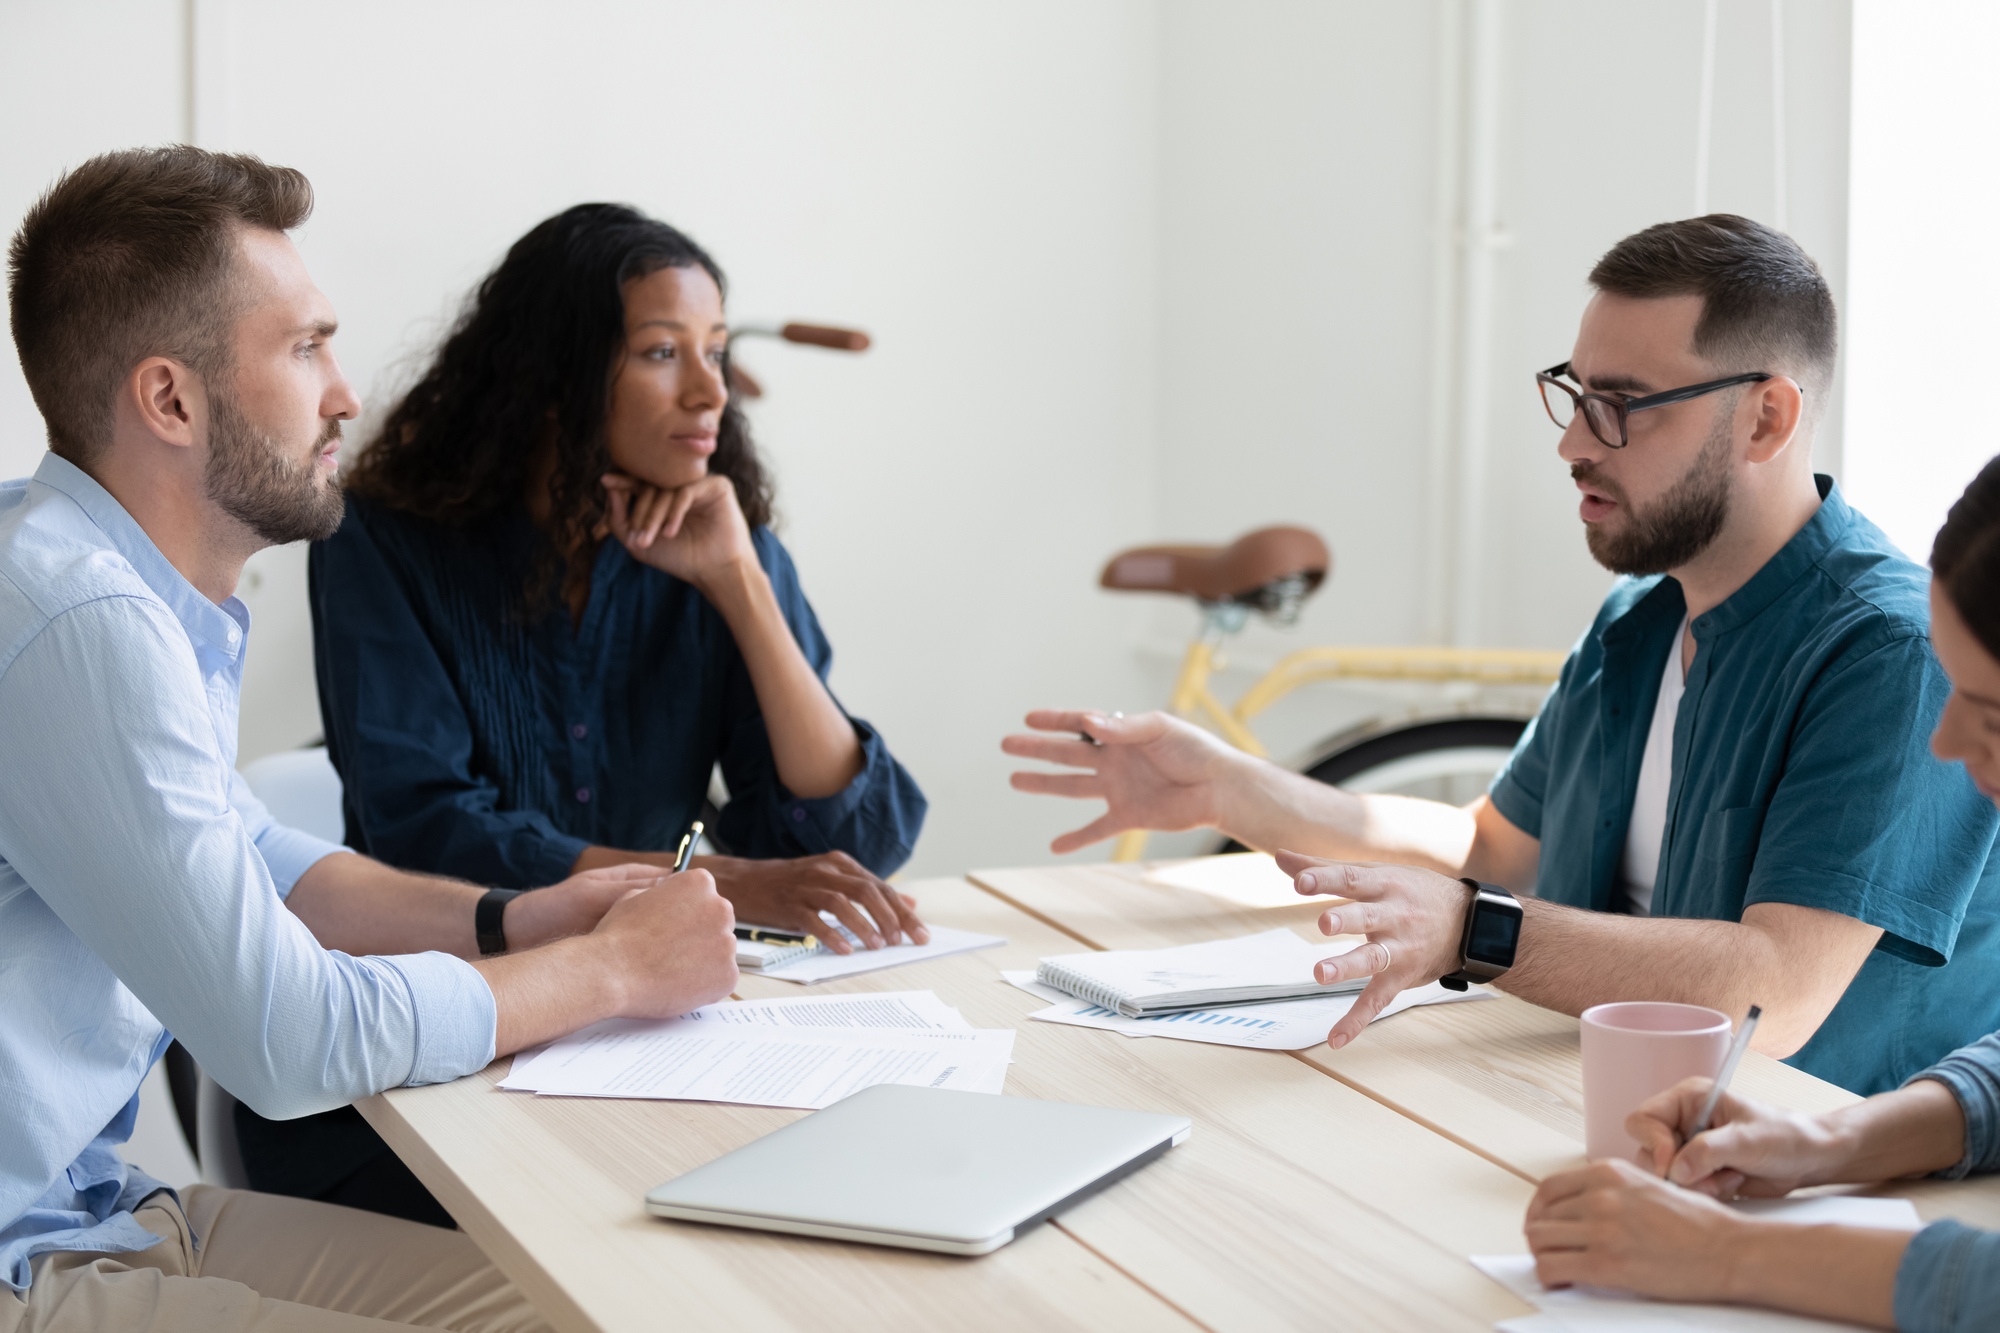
point(1680, 526)
point(253, 482)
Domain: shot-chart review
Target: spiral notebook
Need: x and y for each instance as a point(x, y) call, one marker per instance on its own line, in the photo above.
point(759, 955)
point(1276, 965)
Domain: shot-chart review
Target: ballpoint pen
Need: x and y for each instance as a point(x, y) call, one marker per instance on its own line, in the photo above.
point(1723, 1075)
point(685, 852)
point(765, 935)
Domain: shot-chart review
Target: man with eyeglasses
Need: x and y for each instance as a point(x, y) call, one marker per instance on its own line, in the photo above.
point(1727, 799)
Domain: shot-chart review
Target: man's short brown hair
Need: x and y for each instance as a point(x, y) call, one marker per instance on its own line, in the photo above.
point(130, 256)
point(1765, 305)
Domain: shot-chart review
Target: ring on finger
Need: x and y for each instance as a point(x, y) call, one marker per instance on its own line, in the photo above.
point(1387, 957)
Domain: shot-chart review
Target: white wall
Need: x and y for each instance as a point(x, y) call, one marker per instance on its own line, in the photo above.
point(1926, 279)
point(972, 184)
point(1137, 271)
point(1312, 204)
point(85, 81)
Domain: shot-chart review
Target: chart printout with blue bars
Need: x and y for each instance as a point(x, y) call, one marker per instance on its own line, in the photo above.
point(1208, 1017)
point(1278, 1025)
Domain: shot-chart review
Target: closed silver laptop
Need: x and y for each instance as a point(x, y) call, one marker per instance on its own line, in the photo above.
point(923, 1168)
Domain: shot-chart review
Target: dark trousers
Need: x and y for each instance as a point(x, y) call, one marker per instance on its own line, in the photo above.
point(333, 1157)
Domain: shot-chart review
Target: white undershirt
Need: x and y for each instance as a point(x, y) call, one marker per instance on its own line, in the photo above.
point(1648, 829)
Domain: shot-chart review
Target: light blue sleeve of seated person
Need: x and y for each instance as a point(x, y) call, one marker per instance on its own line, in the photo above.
point(1973, 1075)
point(115, 807)
point(1949, 1281)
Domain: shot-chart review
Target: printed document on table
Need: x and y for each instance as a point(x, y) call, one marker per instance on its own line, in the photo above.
point(761, 1065)
point(827, 966)
point(1597, 1310)
point(1274, 1025)
point(887, 1009)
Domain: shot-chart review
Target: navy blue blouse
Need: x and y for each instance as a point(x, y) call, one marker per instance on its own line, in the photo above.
point(477, 741)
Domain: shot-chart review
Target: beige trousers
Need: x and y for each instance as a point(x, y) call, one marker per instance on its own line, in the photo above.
point(271, 1263)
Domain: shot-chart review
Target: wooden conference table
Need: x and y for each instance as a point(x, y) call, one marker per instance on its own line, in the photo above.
point(1319, 1189)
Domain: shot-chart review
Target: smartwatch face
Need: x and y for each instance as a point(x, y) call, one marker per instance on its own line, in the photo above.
point(1495, 933)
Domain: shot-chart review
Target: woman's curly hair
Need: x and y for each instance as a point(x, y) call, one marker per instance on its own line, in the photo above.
point(533, 356)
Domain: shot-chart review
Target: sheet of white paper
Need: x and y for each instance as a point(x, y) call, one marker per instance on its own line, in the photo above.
point(1846, 1210)
point(827, 966)
point(762, 1066)
point(1248, 879)
point(1041, 990)
point(1594, 1309)
point(887, 1009)
point(1277, 1025)
point(992, 1079)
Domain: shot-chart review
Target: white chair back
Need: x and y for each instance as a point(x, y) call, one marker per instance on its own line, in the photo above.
point(301, 790)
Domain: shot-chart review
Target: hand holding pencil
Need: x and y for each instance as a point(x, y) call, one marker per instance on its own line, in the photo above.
point(1750, 1150)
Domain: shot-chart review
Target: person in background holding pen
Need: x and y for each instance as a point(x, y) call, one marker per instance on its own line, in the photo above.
point(556, 604)
point(1614, 1225)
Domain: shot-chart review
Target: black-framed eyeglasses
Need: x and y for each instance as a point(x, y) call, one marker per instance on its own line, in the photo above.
point(1606, 415)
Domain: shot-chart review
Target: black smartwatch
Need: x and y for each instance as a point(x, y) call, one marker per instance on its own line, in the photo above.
point(1492, 934)
point(488, 915)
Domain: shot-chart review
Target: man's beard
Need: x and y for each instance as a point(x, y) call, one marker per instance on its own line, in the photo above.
point(250, 479)
point(1680, 526)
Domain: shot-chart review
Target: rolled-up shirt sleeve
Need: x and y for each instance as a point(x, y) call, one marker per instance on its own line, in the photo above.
point(1972, 1073)
point(1949, 1280)
point(116, 805)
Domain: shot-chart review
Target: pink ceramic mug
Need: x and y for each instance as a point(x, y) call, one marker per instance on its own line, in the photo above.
point(1632, 1051)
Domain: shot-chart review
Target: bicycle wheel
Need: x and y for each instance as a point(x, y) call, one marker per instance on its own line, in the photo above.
point(1448, 759)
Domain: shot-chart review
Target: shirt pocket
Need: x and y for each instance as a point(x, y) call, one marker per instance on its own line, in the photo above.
point(1727, 843)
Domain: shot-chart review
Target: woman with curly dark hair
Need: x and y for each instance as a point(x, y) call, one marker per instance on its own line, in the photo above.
point(556, 605)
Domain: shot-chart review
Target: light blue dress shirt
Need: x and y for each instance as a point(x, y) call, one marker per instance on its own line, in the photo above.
point(142, 886)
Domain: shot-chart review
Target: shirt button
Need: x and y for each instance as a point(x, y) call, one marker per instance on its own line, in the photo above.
point(579, 731)
point(798, 814)
point(583, 794)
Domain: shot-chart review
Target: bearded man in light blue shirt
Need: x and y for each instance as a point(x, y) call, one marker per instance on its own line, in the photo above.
point(181, 358)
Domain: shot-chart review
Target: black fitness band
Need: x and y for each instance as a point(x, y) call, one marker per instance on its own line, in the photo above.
point(487, 916)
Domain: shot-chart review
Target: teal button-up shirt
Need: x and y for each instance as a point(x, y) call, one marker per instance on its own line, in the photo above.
point(1802, 773)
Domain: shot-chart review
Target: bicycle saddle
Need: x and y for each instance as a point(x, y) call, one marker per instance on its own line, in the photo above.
point(1239, 572)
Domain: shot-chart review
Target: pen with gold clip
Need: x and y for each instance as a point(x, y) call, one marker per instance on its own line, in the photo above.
point(757, 934)
point(685, 852)
point(762, 935)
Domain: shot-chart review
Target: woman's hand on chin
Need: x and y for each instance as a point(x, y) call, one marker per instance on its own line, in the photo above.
point(693, 532)
point(790, 894)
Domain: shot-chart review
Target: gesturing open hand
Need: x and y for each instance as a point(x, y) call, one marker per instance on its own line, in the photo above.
point(1153, 770)
point(1414, 920)
point(690, 532)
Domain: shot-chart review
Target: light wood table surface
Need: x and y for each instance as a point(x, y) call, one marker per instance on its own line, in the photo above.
point(1297, 1201)
point(1501, 1077)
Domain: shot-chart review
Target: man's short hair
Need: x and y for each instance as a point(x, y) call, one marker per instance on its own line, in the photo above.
point(1765, 305)
point(130, 256)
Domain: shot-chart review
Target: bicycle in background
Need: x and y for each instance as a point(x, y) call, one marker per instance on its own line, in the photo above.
point(1272, 572)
